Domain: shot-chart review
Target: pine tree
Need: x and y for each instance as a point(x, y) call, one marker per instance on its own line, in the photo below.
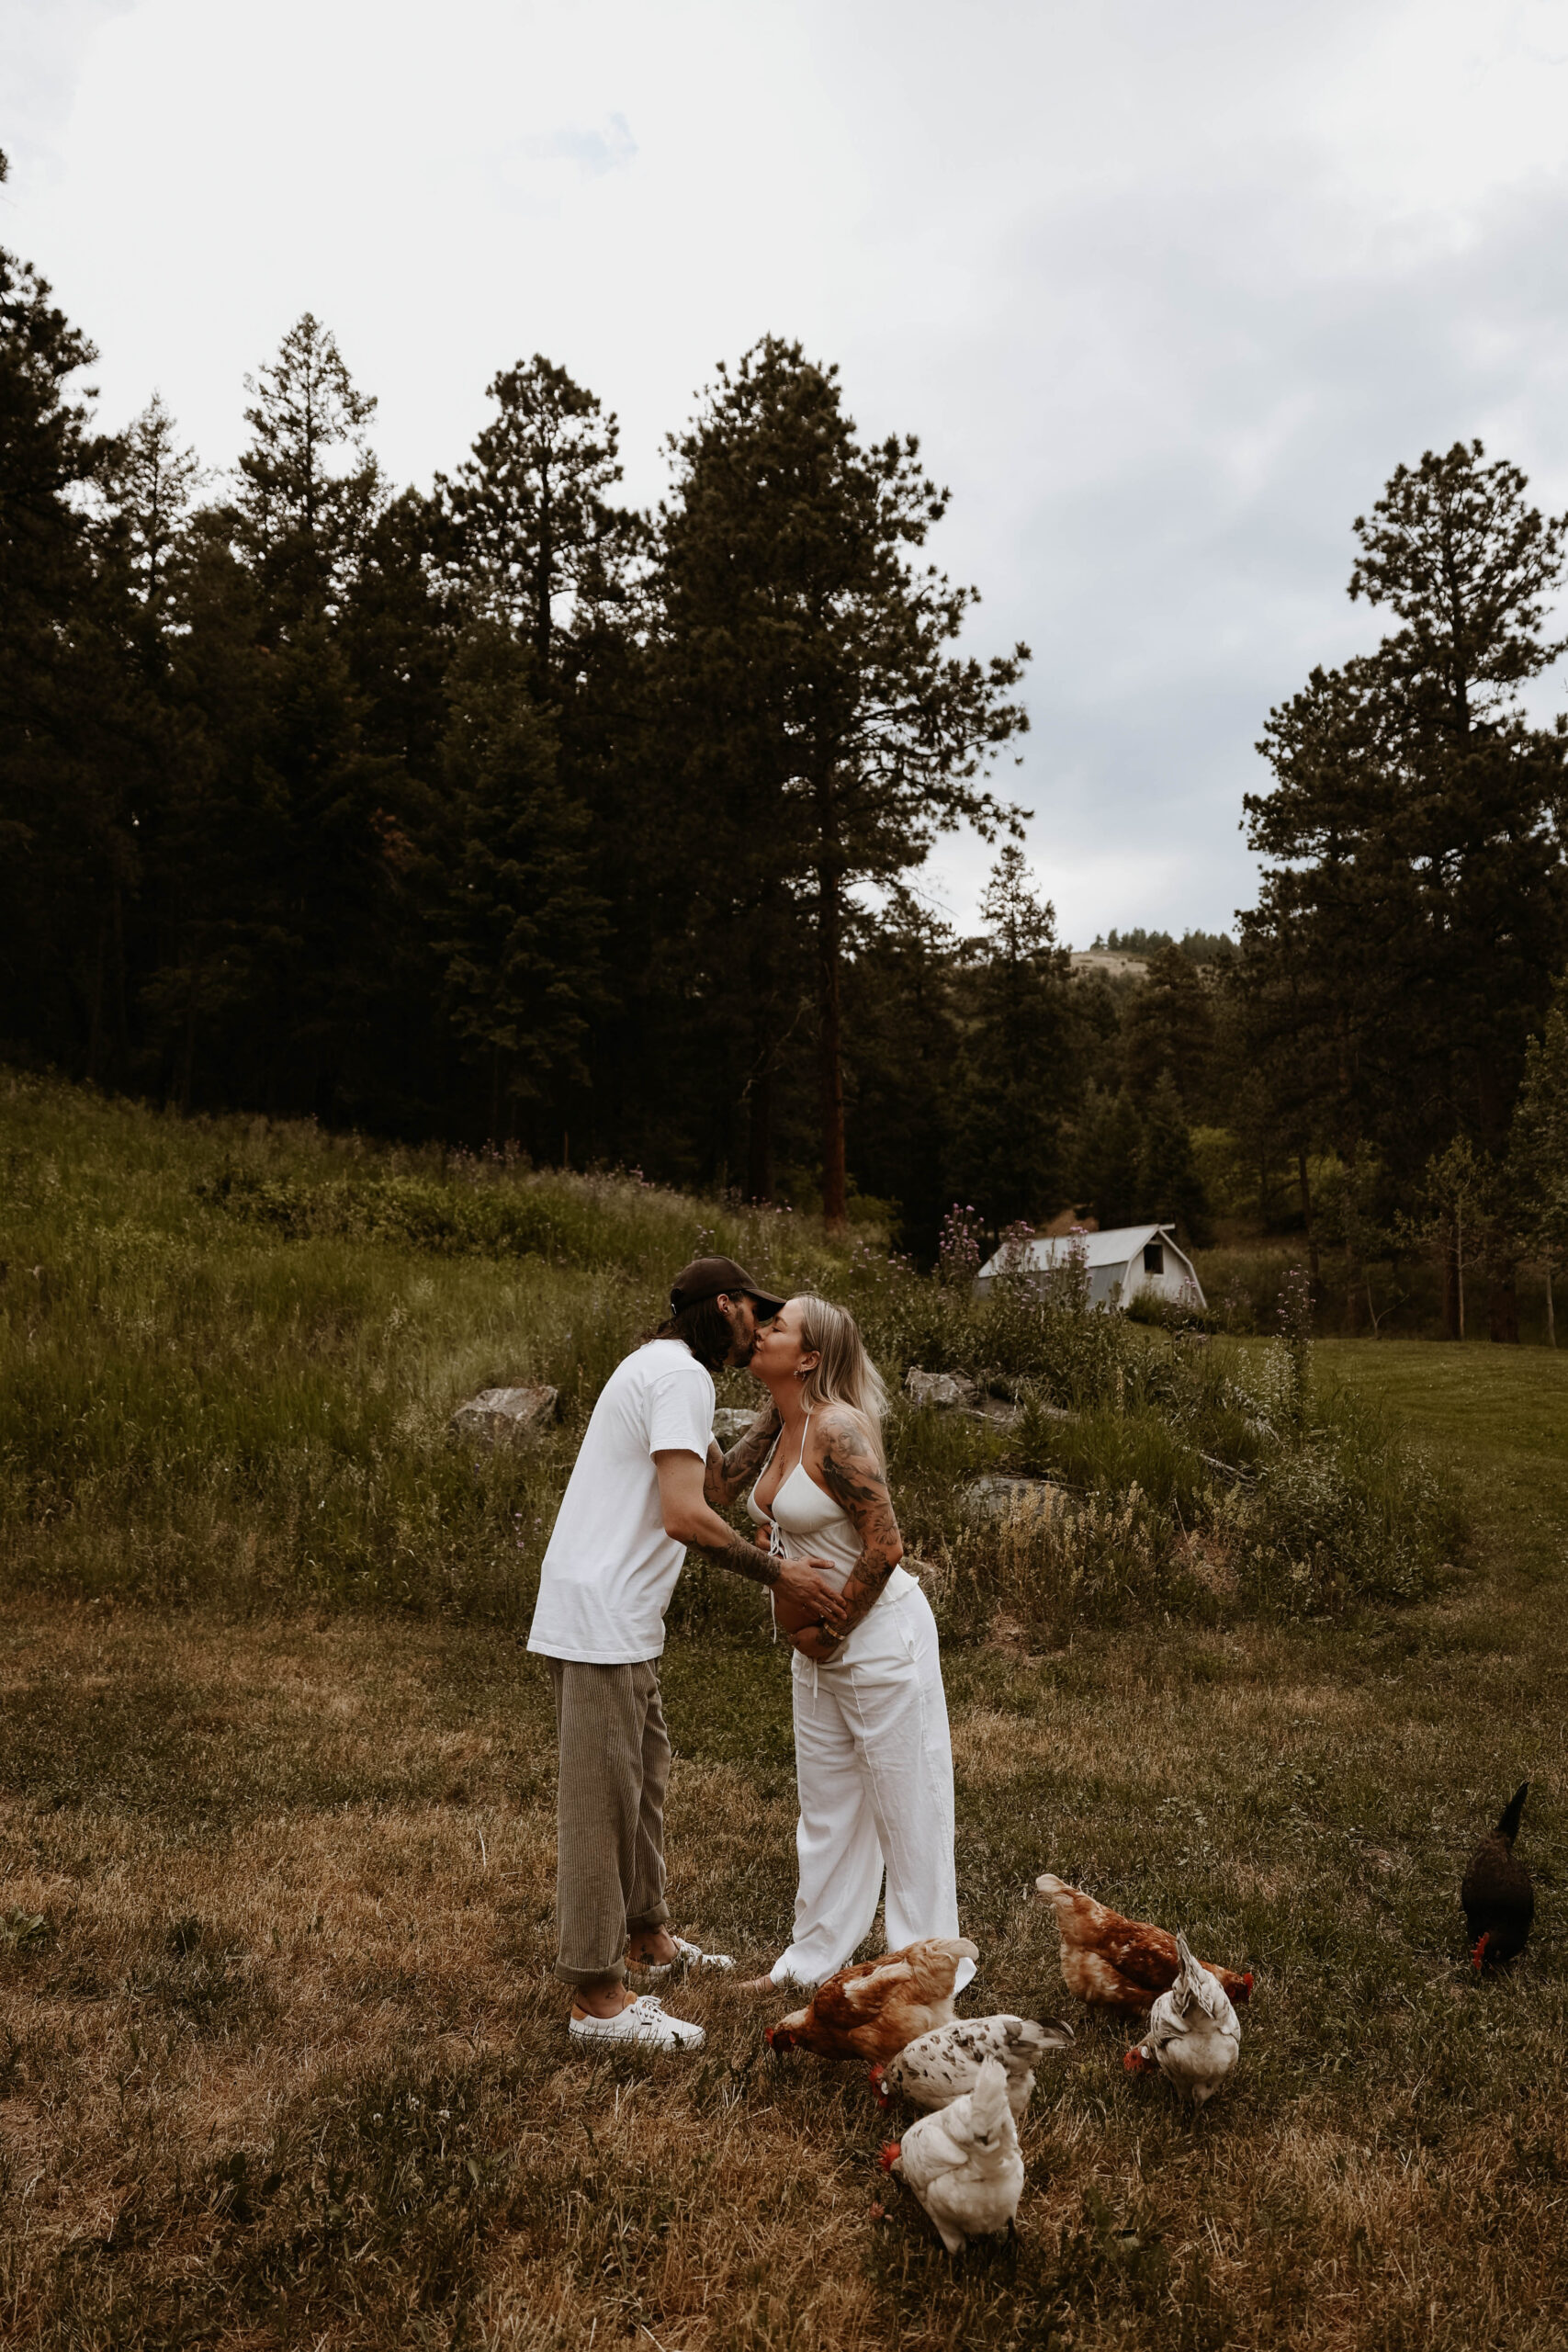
point(1023, 1064)
point(153, 485)
point(537, 538)
point(69, 718)
point(1172, 1188)
point(517, 925)
point(1418, 901)
point(309, 485)
point(1108, 1158)
point(827, 733)
point(1538, 1149)
point(1169, 1024)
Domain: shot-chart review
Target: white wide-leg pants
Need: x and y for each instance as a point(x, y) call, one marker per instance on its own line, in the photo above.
point(874, 1767)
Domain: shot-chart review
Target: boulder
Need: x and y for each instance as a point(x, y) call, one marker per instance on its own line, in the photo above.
point(998, 1494)
point(504, 1416)
point(730, 1422)
point(942, 1388)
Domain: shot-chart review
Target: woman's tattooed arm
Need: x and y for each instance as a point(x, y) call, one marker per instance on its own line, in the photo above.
point(858, 1483)
point(729, 1474)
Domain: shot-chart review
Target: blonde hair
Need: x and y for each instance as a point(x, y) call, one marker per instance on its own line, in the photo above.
point(844, 1372)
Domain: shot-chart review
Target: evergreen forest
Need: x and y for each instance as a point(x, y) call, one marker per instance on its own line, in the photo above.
point(502, 814)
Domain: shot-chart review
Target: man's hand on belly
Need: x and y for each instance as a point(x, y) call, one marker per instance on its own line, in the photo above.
point(803, 1585)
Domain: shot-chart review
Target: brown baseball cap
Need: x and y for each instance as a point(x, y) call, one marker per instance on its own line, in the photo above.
point(706, 1277)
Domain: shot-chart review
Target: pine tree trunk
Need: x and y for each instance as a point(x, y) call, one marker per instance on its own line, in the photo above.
point(1306, 1216)
point(760, 1101)
point(829, 927)
point(759, 1134)
point(1452, 1322)
point(1503, 1309)
point(1550, 1310)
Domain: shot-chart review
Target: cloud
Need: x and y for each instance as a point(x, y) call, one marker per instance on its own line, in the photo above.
point(610, 150)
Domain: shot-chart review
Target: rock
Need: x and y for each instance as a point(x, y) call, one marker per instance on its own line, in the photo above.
point(504, 1416)
point(730, 1422)
point(996, 1411)
point(999, 1495)
point(940, 1388)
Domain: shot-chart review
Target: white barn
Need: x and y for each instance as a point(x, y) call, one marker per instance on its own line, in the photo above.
point(1121, 1263)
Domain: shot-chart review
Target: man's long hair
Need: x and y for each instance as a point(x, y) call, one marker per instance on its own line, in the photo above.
point(704, 1329)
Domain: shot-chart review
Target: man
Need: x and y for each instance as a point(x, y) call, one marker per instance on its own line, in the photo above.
point(634, 1503)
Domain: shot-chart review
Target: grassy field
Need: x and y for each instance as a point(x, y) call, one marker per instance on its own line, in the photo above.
point(280, 2060)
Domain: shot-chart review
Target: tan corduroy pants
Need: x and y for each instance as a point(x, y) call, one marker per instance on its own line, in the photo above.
point(614, 1770)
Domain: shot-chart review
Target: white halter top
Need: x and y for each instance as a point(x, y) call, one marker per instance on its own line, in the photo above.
point(806, 1524)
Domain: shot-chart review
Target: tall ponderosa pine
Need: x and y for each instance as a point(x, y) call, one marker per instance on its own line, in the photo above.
point(827, 732)
point(539, 538)
point(308, 485)
point(1416, 907)
point(69, 716)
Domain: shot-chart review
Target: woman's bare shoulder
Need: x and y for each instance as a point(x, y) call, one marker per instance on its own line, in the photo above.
point(843, 1437)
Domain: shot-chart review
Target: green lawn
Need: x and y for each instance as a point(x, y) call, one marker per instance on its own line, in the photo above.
point(1499, 1415)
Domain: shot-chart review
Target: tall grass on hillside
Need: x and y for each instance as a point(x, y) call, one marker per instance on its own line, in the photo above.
point(228, 1353)
point(193, 1403)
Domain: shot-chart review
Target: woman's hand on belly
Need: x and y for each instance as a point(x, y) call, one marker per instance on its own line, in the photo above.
point(815, 1643)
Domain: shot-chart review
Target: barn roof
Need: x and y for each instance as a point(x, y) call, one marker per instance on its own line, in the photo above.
point(1112, 1249)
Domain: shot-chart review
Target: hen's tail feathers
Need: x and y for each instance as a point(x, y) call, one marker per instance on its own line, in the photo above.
point(1508, 1826)
point(1050, 2033)
point(988, 2100)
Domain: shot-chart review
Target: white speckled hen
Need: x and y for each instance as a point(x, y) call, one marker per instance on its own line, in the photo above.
point(942, 2066)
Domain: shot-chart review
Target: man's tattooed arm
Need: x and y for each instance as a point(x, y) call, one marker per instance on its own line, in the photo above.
point(743, 1559)
point(857, 1482)
point(729, 1474)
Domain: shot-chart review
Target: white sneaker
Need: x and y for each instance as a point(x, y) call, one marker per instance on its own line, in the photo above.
point(643, 2024)
point(686, 1956)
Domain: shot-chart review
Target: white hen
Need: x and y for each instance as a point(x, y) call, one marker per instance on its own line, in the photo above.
point(941, 2066)
point(963, 2163)
point(1194, 2036)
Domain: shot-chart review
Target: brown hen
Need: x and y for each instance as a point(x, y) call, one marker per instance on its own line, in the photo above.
point(1117, 1963)
point(879, 2006)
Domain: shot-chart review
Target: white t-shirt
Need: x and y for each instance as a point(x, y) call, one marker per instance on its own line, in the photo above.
point(610, 1568)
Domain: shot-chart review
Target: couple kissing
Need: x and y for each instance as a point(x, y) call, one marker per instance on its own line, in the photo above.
point(874, 1764)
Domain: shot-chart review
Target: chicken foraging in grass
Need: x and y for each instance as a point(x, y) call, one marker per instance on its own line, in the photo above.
point(943, 2066)
point(1117, 1963)
point(1194, 2036)
point(1498, 1894)
point(963, 2163)
point(873, 2010)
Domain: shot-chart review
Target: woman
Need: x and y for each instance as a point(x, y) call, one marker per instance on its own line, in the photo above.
point(872, 1757)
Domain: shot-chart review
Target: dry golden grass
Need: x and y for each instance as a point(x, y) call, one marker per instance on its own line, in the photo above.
point(284, 2063)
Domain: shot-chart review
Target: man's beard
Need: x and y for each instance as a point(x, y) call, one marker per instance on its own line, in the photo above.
point(741, 1354)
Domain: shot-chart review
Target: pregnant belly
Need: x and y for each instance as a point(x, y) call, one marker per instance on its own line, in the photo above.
point(789, 1615)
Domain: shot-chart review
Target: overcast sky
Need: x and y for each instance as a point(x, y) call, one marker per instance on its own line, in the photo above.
point(1165, 287)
